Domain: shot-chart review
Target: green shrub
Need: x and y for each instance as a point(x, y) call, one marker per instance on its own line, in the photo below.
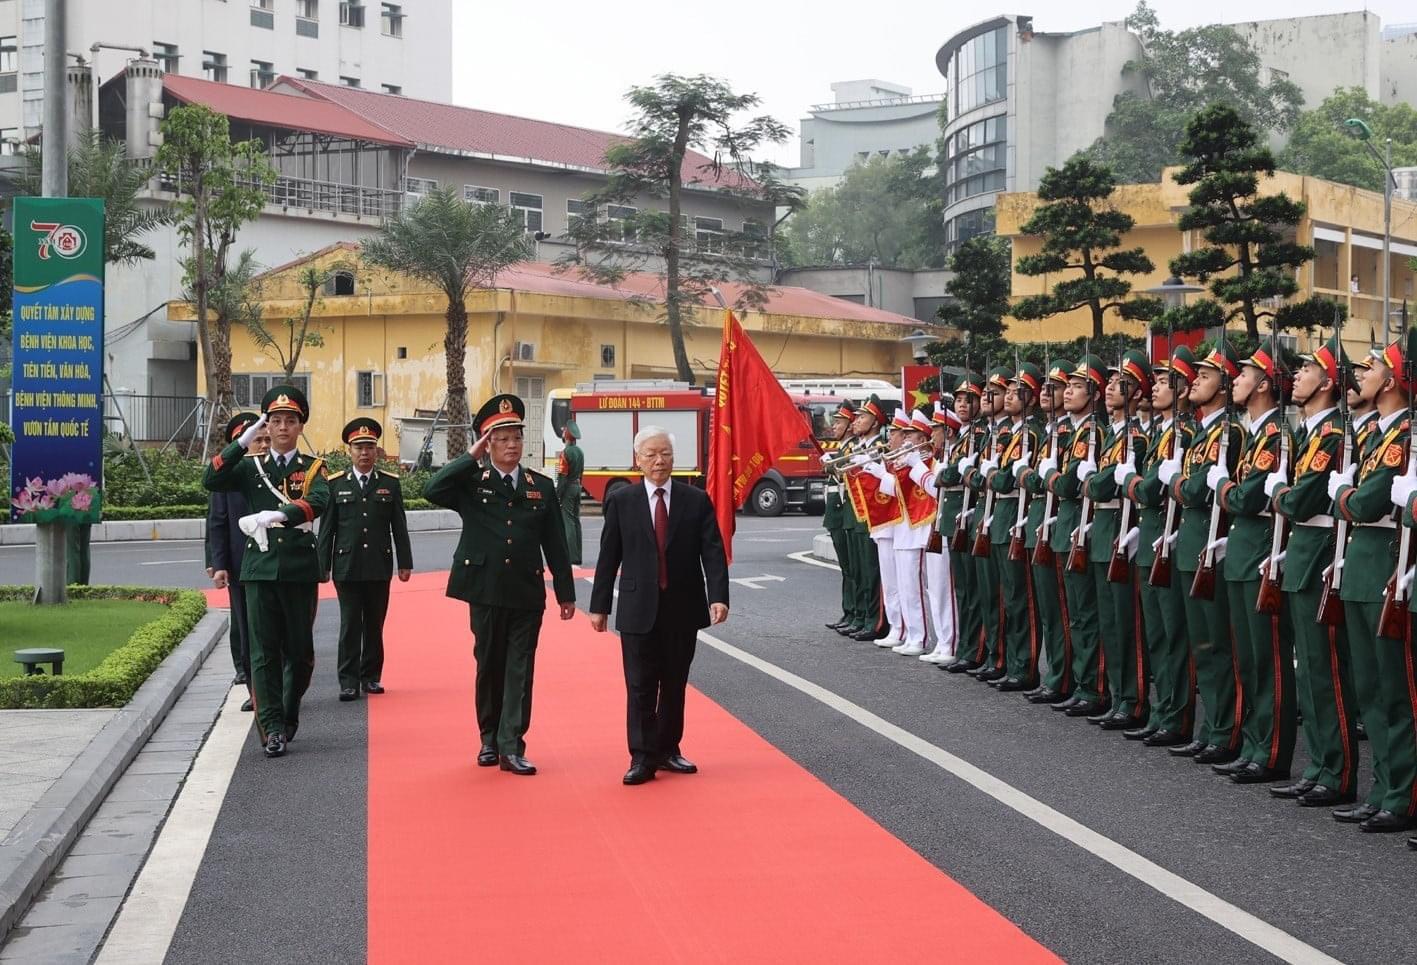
point(122, 513)
point(113, 682)
point(176, 480)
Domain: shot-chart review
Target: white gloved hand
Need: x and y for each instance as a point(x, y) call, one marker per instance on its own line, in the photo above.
point(1170, 469)
point(860, 459)
point(1407, 580)
point(1338, 481)
point(1128, 543)
point(1123, 472)
point(966, 463)
point(876, 469)
point(1218, 548)
point(1020, 467)
point(988, 466)
point(252, 431)
point(1047, 466)
point(1215, 477)
point(1277, 563)
point(251, 526)
point(1086, 468)
point(1273, 481)
point(1402, 489)
point(270, 517)
point(912, 459)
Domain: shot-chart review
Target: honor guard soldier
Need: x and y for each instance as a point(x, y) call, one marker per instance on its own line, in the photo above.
point(1325, 682)
point(1056, 681)
point(1263, 640)
point(1163, 596)
point(870, 622)
point(569, 469)
point(285, 492)
point(989, 589)
point(1382, 671)
point(939, 582)
point(954, 520)
point(226, 545)
point(362, 534)
point(883, 534)
point(510, 523)
point(1219, 438)
point(837, 449)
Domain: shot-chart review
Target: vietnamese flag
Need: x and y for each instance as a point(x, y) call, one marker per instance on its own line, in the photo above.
point(754, 422)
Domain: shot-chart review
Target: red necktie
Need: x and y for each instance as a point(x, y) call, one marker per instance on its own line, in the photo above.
point(661, 537)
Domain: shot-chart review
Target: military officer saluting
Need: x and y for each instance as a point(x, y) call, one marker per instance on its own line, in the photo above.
point(569, 469)
point(285, 491)
point(510, 521)
point(360, 535)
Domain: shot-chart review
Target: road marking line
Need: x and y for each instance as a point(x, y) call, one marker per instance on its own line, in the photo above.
point(805, 556)
point(167, 562)
point(752, 581)
point(149, 915)
point(1232, 918)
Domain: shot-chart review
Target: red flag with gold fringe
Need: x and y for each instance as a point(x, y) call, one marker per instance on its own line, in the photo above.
point(754, 422)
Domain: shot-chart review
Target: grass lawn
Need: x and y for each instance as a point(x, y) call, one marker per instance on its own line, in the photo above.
point(86, 630)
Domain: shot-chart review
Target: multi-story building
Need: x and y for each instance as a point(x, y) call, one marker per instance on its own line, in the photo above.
point(397, 48)
point(1020, 101)
point(867, 118)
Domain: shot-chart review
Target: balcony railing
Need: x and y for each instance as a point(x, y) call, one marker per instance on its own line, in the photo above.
point(312, 195)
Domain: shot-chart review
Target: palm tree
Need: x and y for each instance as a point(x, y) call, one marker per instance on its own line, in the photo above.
point(456, 247)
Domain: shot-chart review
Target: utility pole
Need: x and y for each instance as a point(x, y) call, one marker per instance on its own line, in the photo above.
point(51, 577)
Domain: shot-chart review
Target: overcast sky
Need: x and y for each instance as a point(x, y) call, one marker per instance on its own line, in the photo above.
point(572, 60)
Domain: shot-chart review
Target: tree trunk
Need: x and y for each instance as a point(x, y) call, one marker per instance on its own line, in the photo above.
point(455, 349)
point(219, 389)
point(673, 308)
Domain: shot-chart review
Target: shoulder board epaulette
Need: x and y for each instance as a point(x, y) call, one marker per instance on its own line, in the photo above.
point(385, 472)
point(537, 473)
point(336, 475)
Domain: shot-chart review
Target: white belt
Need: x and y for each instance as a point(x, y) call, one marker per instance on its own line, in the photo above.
point(1003, 496)
point(1324, 522)
point(1386, 523)
point(1110, 504)
point(1268, 513)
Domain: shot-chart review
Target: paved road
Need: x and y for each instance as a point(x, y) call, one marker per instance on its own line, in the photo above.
point(283, 874)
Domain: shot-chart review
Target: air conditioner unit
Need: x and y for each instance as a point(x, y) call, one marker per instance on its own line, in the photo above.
point(523, 351)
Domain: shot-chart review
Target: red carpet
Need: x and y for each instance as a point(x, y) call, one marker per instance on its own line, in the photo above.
point(752, 860)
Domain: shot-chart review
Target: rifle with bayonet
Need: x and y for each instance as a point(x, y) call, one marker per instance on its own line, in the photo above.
point(1203, 586)
point(959, 540)
point(1017, 551)
point(980, 548)
point(1077, 552)
point(936, 542)
point(1331, 603)
point(1119, 566)
point(1392, 622)
point(1043, 550)
point(1270, 597)
point(1160, 574)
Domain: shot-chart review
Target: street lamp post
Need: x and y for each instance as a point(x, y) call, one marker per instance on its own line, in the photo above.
point(1364, 133)
point(1173, 292)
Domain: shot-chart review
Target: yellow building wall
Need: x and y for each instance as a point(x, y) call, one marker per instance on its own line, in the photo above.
point(364, 332)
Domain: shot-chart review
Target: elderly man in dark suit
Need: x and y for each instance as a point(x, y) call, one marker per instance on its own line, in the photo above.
point(662, 537)
point(226, 545)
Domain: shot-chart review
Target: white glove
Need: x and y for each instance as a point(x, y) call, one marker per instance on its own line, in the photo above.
point(966, 463)
point(988, 466)
point(1086, 468)
point(252, 431)
point(1218, 548)
point(1047, 466)
point(876, 469)
point(1277, 563)
point(270, 517)
point(860, 459)
point(1338, 481)
point(1128, 543)
point(912, 459)
point(1123, 472)
point(1215, 477)
point(1407, 580)
point(251, 526)
point(1273, 481)
point(1020, 467)
point(1402, 489)
point(1170, 469)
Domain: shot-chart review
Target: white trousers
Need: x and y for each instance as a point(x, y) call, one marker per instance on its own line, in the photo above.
point(885, 552)
point(940, 582)
point(910, 590)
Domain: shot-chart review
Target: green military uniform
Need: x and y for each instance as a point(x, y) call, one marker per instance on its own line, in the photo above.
point(1079, 589)
point(1382, 673)
point(360, 536)
point(865, 566)
point(1207, 620)
point(950, 484)
point(1021, 621)
point(1264, 648)
point(280, 579)
point(1172, 717)
point(1048, 591)
point(1324, 684)
point(507, 529)
point(987, 578)
point(569, 470)
point(834, 520)
point(1123, 645)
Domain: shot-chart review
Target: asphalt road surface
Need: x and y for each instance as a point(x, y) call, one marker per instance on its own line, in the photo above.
point(300, 895)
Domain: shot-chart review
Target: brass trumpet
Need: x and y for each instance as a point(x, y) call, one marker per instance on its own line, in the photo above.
point(838, 465)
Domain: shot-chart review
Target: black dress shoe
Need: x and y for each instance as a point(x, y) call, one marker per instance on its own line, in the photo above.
point(246, 705)
point(1325, 797)
point(1187, 750)
point(1386, 821)
point(1412, 843)
point(1295, 790)
point(1259, 774)
point(863, 635)
point(1233, 767)
point(518, 765)
point(1069, 704)
point(838, 624)
point(487, 757)
point(290, 730)
point(1171, 739)
point(1010, 685)
point(959, 665)
point(1043, 695)
point(1355, 814)
point(1121, 722)
point(1140, 733)
point(348, 693)
point(373, 687)
point(1104, 714)
point(1085, 708)
point(240, 680)
point(995, 673)
point(275, 746)
point(639, 773)
point(850, 630)
point(1034, 691)
point(679, 764)
point(1215, 754)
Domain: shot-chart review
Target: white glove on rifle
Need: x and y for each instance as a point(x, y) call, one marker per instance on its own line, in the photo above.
point(1218, 548)
point(988, 466)
point(1170, 469)
point(1047, 465)
point(1339, 480)
point(252, 431)
point(1086, 468)
point(1128, 543)
point(1020, 467)
point(1406, 582)
point(1274, 481)
point(1215, 477)
point(966, 463)
point(1277, 562)
point(1402, 489)
point(1123, 472)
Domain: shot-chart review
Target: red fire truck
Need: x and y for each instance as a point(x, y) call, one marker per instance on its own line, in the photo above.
point(609, 413)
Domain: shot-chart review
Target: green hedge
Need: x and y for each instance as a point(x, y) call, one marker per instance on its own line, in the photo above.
point(114, 681)
point(119, 513)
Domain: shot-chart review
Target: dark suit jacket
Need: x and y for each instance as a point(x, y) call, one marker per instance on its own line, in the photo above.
point(698, 570)
point(226, 544)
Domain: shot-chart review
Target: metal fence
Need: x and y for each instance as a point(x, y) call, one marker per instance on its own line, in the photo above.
point(156, 418)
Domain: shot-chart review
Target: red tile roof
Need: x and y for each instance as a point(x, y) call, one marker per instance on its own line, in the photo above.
point(279, 110)
point(464, 130)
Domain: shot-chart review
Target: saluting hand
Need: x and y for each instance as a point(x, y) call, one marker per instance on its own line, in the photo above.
point(479, 448)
